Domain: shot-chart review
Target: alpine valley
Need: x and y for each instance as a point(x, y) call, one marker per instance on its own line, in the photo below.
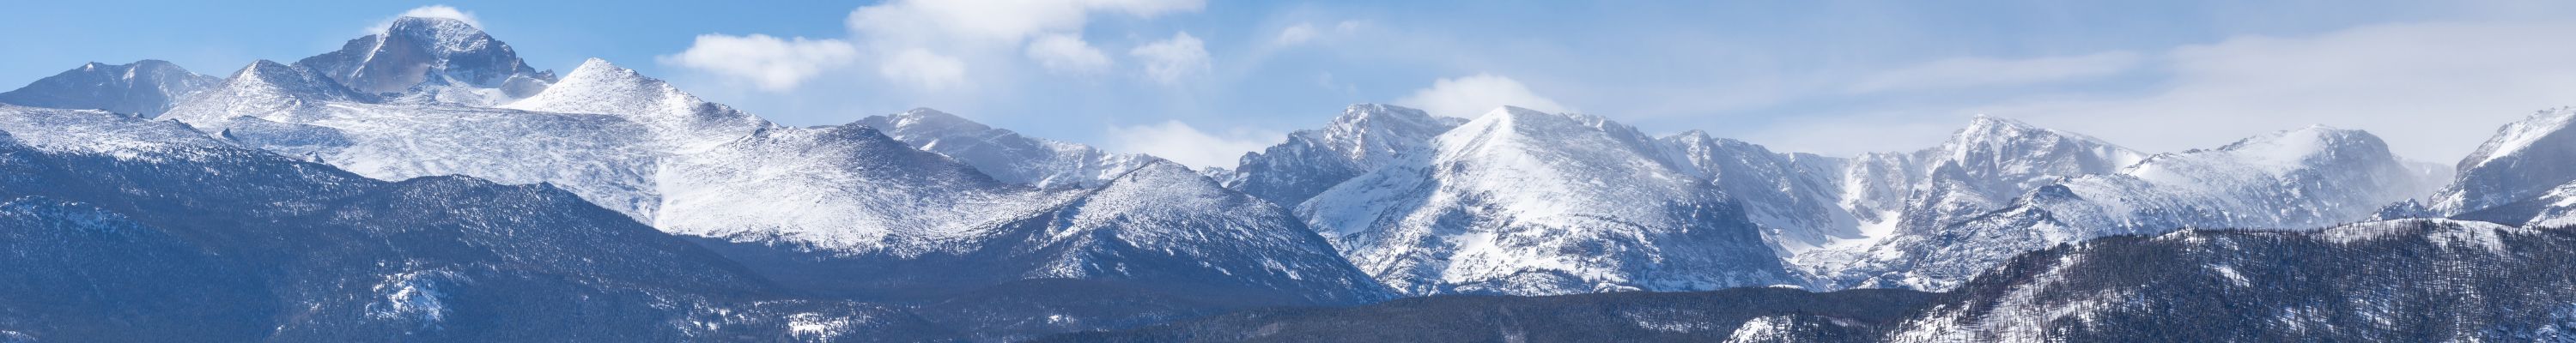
point(424, 184)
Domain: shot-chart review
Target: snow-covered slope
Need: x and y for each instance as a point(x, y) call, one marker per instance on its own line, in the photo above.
point(1364, 138)
point(1993, 160)
point(914, 221)
point(2523, 175)
point(1980, 168)
point(676, 118)
point(432, 60)
point(844, 188)
point(1875, 187)
point(1794, 197)
point(143, 88)
point(2395, 281)
point(1523, 202)
point(604, 158)
point(122, 229)
point(825, 199)
point(2299, 179)
point(1165, 224)
point(1005, 155)
point(265, 89)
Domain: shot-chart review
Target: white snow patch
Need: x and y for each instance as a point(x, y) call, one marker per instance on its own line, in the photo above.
point(2229, 272)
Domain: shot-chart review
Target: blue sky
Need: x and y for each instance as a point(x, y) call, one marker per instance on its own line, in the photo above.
point(1201, 82)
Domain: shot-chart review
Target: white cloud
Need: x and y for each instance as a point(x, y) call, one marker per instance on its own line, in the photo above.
point(431, 11)
point(930, 45)
point(1176, 141)
point(1006, 21)
point(1296, 34)
point(1348, 26)
point(1170, 61)
point(1474, 95)
point(1067, 53)
point(1980, 72)
point(950, 38)
point(924, 69)
point(1306, 32)
point(768, 62)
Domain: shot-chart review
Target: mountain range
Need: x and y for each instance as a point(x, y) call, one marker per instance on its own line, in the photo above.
point(425, 184)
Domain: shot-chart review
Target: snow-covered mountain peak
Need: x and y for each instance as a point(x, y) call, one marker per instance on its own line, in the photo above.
point(434, 60)
point(1514, 140)
point(1003, 154)
point(1983, 125)
point(2523, 164)
point(1525, 202)
point(2299, 179)
point(1364, 137)
point(262, 70)
point(600, 68)
point(927, 121)
point(1696, 135)
point(1366, 117)
point(1998, 158)
point(1515, 127)
point(139, 67)
point(1988, 134)
point(2521, 135)
point(265, 89)
point(1369, 134)
point(2285, 154)
point(1157, 172)
point(447, 34)
point(925, 117)
point(1698, 138)
point(2305, 146)
point(287, 78)
point(600, 87)
point(1982, 120)
point(144, 88)
point(1535, 120)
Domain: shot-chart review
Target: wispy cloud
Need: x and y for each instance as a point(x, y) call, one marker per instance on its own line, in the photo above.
point(1473, 95)
point(966, 33)
point(1982, 72)
point(1305, 32)
point(431, 11)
